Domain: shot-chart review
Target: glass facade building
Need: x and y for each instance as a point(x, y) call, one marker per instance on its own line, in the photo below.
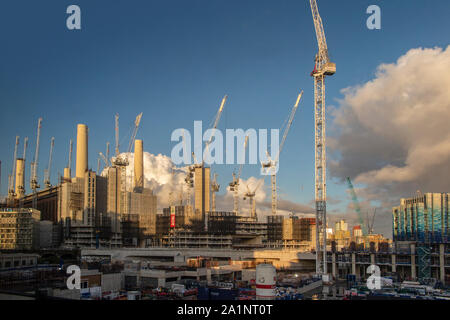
point(424, 218)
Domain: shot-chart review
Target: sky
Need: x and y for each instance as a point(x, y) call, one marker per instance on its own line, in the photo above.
point(174, 60)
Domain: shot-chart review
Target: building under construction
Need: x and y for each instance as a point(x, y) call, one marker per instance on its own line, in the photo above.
point(291, 232)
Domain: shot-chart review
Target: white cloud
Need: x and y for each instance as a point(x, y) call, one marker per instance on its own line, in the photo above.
point(392, 134)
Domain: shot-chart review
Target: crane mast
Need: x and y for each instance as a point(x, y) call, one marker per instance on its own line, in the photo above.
point(252, 201)
point(323, 67)
point(214, 188)
point(356, 204)
point(107, 154)
point(216, 122)
point(116, 119)
point(234, 185)
point(271, 165)
point(121, 162)
point(25, 146)
point(49, 167)
point(34, 185)
point(189, 175)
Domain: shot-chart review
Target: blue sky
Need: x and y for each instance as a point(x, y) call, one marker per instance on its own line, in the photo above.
point(174, 61)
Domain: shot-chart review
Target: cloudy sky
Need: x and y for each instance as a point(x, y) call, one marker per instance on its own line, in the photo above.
point(174, 60)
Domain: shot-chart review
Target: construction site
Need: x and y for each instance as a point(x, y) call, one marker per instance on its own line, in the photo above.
point(130, 247)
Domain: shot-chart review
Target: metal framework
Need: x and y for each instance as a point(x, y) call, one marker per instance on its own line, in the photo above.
point(357, 207)
point(271, 165)
point(214, 188)
point(323, 67)
point(234, 185)
point(47, 171)
point(34, 184)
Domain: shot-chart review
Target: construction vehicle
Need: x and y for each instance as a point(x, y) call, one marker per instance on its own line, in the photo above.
point(270, 166)
point(323, 67)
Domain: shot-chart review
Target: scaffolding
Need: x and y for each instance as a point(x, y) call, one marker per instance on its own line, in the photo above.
point(424, 257)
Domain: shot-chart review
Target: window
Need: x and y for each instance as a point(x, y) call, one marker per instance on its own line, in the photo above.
point(84, 284)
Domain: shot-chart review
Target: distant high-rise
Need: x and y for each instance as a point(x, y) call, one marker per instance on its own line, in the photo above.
point(423, 218)
point(202, 189)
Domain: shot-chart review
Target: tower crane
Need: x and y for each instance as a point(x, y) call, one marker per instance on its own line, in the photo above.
point(121, 161)
point(189, 179)
point(371, 222)
point(25, 146)
point(49, 167)
point(98, 165)
point(216, 122)
point(323, 67)
point(356, 204)
point(102, 156)
point(234, 185)
point(135, 130)
point(171, 191)
point(214, 188)
point(107, 154)
point(11, 189)
point(271, 165)
point(34, 185)
point(251, 197)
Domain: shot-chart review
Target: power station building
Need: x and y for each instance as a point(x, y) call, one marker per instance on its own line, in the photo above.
point(94, 208)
